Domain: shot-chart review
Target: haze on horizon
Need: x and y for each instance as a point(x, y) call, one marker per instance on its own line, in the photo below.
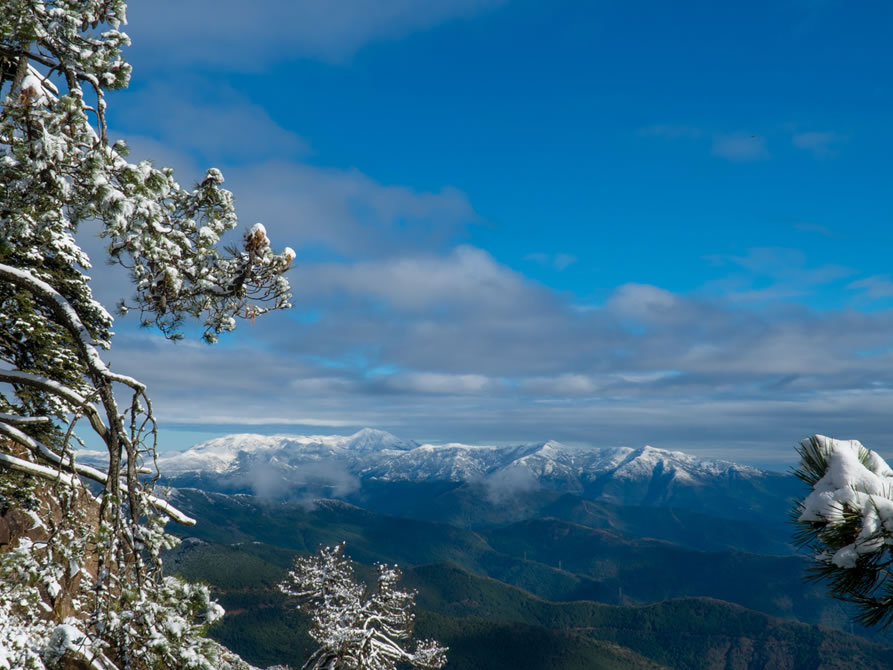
point(599, 223)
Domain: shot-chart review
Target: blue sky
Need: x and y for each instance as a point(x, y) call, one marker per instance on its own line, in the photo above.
point(599, 222)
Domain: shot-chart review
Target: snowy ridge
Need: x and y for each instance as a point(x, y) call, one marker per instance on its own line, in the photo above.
point(225, 454)
point(378, 455)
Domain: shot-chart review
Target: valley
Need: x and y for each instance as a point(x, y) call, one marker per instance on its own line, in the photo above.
point(609, 574)
point(460, 606)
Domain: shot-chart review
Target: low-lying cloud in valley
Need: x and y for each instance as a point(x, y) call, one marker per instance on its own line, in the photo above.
point(303, 485)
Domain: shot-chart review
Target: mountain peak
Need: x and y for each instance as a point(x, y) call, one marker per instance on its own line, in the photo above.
point(553, 444)
point(374, 439)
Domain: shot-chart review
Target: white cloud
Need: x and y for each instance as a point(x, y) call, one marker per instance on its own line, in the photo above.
point(563, 384)
point(439, 383)
point(558, 261)
point(322, 385)
point(510, 483)
point(467, 278)
point(346, 210)
point(788, 272)
point(643, 302)
point(740, 147)
point(214, 121)
point(233, 35)
point(819, 143)
point(877, 286)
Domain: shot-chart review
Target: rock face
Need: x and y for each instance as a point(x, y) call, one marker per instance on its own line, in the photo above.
point(331, 466)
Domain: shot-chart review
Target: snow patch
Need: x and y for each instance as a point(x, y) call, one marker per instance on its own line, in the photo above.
point(853, 486)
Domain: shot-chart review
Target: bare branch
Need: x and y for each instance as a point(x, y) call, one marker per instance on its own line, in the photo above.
point(41, 450)
point(54, 387)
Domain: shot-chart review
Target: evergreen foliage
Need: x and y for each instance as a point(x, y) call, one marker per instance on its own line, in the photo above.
point(846, 524)
point(86, 581)
point(490, 625)
point(357, 630)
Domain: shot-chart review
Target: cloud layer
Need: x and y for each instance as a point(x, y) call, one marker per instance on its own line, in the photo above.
point(463, 347)
point(403, 321)
point(228, 34)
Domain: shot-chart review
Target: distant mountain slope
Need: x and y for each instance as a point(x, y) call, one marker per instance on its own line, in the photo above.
point(469, 505)
point(490, 625)
point(595, 564)
point(690, 633)
point(480, 644)
point(688, 528)
point(284, 467)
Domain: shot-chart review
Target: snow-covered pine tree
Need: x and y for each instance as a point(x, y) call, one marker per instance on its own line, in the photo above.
point(846, 523)
point(80, 573)
point(355, 629)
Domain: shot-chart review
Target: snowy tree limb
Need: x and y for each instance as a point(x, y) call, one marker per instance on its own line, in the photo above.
point(98, 476)
point(54, 387)
point(15, 419)
point(42, 451)
point(99, 373)
point(68, 317)
point(355, 629)
point(34, 469)
point(846, 523)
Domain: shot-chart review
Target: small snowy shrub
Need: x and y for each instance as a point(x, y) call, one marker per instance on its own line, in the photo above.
point(356, 629)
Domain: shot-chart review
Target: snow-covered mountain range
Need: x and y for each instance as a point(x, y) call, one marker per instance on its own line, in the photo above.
point(382, 472)
point(376, 454)
point(334, 466)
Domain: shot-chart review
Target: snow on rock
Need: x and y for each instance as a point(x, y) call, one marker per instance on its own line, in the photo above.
point(226, 454)
point(217, 455)
point(371, 454)
point(857, 480)
point(371, 439)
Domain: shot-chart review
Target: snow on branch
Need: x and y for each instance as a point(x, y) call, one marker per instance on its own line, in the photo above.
point(67, 316)
point(171, 250)
point(21, 420)
point(41, 450)
point(57, 170)
point(846, 523)
point(76, 401)
point(355, 628)
point(34, 469)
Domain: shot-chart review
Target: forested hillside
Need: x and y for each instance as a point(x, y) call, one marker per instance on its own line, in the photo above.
point(474, 614)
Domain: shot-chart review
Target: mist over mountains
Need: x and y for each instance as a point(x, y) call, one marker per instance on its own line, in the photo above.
point(371, 466)
point(522, 542)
